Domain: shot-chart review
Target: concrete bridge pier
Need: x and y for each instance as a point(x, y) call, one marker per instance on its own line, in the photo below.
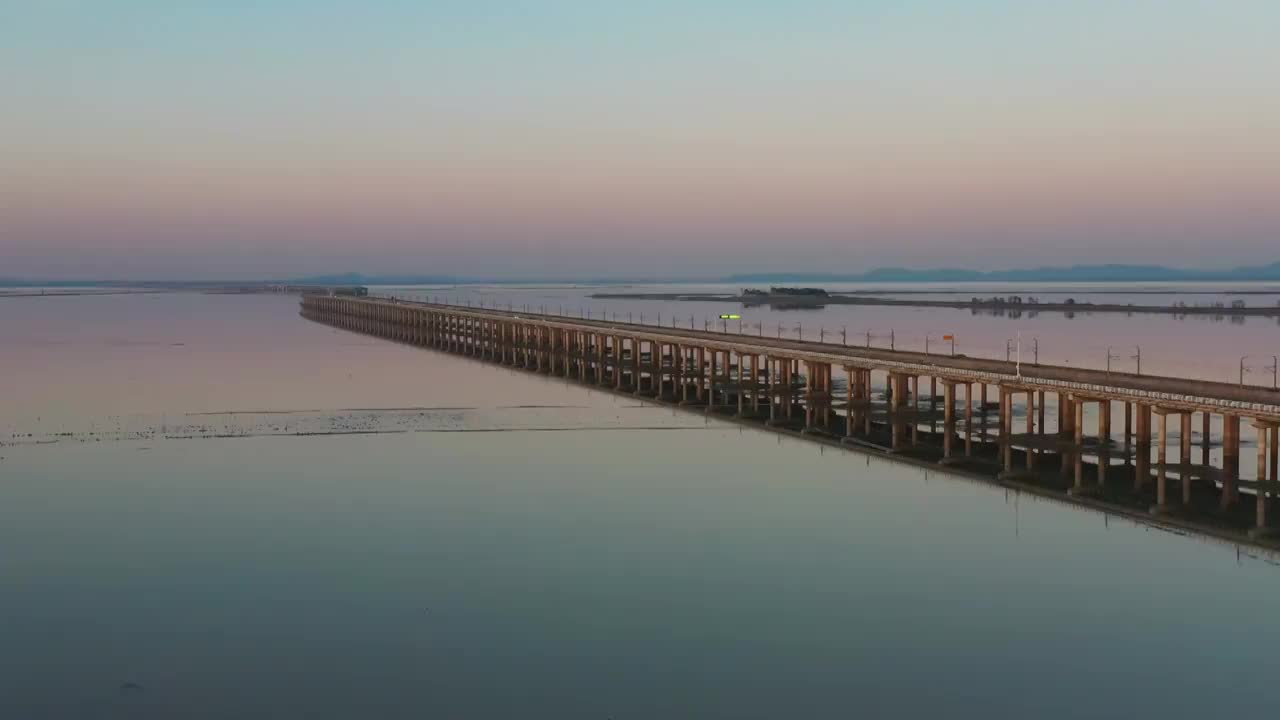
point(867, 385)
point(948, 417)
point(1206, 420)
point(636, 374)
point(1006, 429)
point(826, 399)
point(1162, 474)
point(741, 393)
point(1261, 494)
point(1031, 430)
point(755, 384)
point(1184, 456)
point(1066, 433)
point(1040, 396)
point(635, 365)
point(658, 378)
point(1104, 441)
point(681, 373)
point(968, 420)
point(897, 409)
point(773, 390)
point(601, 356)
point(1128, 431)
point(811, 389)
point(790, 372)
point(1077, 442)
point(1142, 458)
point(1230, 461)
point(848, 401)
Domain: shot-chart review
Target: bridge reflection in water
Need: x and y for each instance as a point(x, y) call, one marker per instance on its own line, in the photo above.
point(989, 420)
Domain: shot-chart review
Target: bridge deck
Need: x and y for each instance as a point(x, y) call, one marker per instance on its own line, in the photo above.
point(1173, 393)
point(791, 387)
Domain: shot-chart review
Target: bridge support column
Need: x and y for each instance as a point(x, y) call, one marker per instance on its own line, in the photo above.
point(1162, 442)
point(786, 377)
point(897, 387)
point(635, 366)
point(1066, 415)
point(915, 410)
point(733, 381)
point(1230, 461)
point(809, 391)
point(848, 402)
point(1275, 452)
point(772, 381)
point(602, 358)
point(1031, 429)
point(1206, 419)
point(1040, 411)
point(1077, 441)
point(660, 369)
point(1184, 456)
point(1104, 440)
point(866, 396)
point(726, 380)
point(679, 385)
point(1006, 429)
point(1142, 460)
point(826, 399)
point(1128, 431)
point(1260, 499)
point(968, 419)
point(755, 384)
point(948, 416)
point(708, 370)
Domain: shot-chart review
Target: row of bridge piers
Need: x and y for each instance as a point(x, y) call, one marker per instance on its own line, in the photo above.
point(1004, 428)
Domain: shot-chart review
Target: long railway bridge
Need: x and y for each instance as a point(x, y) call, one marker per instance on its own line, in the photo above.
point(1106, 442)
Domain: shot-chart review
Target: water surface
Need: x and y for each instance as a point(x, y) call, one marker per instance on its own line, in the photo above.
point(502, 545)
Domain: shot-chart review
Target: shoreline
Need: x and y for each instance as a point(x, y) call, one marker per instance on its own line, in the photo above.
point(982, 305)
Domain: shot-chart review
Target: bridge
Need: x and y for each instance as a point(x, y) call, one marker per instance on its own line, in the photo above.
point(1098, 447)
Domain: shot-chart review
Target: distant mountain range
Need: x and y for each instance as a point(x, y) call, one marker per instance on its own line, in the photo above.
point(1074, 273)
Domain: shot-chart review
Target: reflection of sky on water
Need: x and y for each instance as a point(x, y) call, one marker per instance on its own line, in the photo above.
point(716, 573)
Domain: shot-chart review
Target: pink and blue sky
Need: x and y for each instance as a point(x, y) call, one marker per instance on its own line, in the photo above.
point(146, 139)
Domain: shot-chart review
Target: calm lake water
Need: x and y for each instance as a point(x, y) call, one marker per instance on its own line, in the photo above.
point(212, 508)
